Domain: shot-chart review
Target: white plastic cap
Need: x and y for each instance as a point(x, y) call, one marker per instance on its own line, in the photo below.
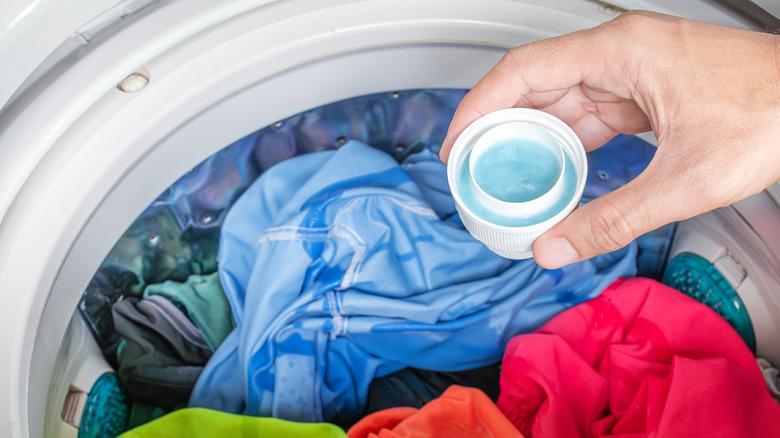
point(532, 127)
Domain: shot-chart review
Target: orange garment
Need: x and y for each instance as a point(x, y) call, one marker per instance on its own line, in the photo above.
point(458, 413)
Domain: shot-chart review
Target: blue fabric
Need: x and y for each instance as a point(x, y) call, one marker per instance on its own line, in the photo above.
point(343, 266)
point(178, 234)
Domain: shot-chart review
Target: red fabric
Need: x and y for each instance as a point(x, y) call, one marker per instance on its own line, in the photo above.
point(458, 413)
point(640, 360)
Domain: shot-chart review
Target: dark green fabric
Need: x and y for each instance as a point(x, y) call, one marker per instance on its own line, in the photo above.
point(205, 303)
point(157, 364)
point(156, 249)
point(142, 413)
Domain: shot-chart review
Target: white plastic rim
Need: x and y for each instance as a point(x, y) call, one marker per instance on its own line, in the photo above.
point(515, 131)
point(515, 242)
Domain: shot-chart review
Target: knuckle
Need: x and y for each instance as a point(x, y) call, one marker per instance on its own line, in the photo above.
point(515, 56)
point(609, 229)
point(633, 21)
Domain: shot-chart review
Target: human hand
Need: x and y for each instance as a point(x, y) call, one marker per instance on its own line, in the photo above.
point(711, 94)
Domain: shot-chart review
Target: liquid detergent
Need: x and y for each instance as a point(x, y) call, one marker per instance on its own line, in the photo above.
point(470, 199)
point(515, 173)
point(517, 170)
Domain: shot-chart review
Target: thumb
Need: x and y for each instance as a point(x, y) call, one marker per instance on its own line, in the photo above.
point(606, 224)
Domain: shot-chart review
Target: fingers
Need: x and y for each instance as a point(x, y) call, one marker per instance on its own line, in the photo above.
point(608, 223)
point(534, 75)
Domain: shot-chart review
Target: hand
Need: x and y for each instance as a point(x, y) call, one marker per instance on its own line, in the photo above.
point(711, 94)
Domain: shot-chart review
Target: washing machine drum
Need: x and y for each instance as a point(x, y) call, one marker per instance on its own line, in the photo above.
point(109, 103)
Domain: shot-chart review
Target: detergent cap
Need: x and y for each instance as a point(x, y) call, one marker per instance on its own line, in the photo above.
point(515, 173)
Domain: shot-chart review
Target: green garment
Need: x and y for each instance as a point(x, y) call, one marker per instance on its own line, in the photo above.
point(205, 303)
point(142, 413)
point(205, 423)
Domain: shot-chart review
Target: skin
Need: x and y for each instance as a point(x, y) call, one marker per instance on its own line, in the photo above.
point(710, 94)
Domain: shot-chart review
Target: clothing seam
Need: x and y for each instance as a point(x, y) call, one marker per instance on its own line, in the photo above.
point(419, 210)
point(334, 298)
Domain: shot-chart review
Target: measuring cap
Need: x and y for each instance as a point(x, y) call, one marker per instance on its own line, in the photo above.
point(514, 174)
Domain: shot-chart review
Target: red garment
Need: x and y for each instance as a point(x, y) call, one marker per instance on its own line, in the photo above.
point(640, 360)
point(458, 413)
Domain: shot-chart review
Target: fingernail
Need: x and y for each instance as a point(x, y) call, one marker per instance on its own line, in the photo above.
point(442, 157)
point(555, 253)
point(441, 150)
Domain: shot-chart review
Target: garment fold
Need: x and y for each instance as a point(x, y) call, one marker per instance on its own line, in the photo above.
point(642, 359)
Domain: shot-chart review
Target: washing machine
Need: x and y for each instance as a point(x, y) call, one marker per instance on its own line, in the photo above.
point(105, 103)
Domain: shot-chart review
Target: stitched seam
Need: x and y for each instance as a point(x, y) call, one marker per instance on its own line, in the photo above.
point(359, 249)
point(292, 236)
point(334, 313)
point(345, 320)
point(334, 298)
point(417, 209)
point(320, 234)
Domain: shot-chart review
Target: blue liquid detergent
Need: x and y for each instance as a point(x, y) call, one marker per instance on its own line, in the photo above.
point(463, 180)
point(517, 170)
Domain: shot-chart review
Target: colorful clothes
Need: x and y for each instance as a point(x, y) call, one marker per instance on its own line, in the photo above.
point(338, 270)
point(642, 359)
point(178, 234)
point(204, 301)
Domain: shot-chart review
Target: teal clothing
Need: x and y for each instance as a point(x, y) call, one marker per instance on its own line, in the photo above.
point(106, 410)
point(204, 302)
point(142, 413)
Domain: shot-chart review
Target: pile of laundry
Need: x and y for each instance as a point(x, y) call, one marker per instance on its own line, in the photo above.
point(302, 283)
